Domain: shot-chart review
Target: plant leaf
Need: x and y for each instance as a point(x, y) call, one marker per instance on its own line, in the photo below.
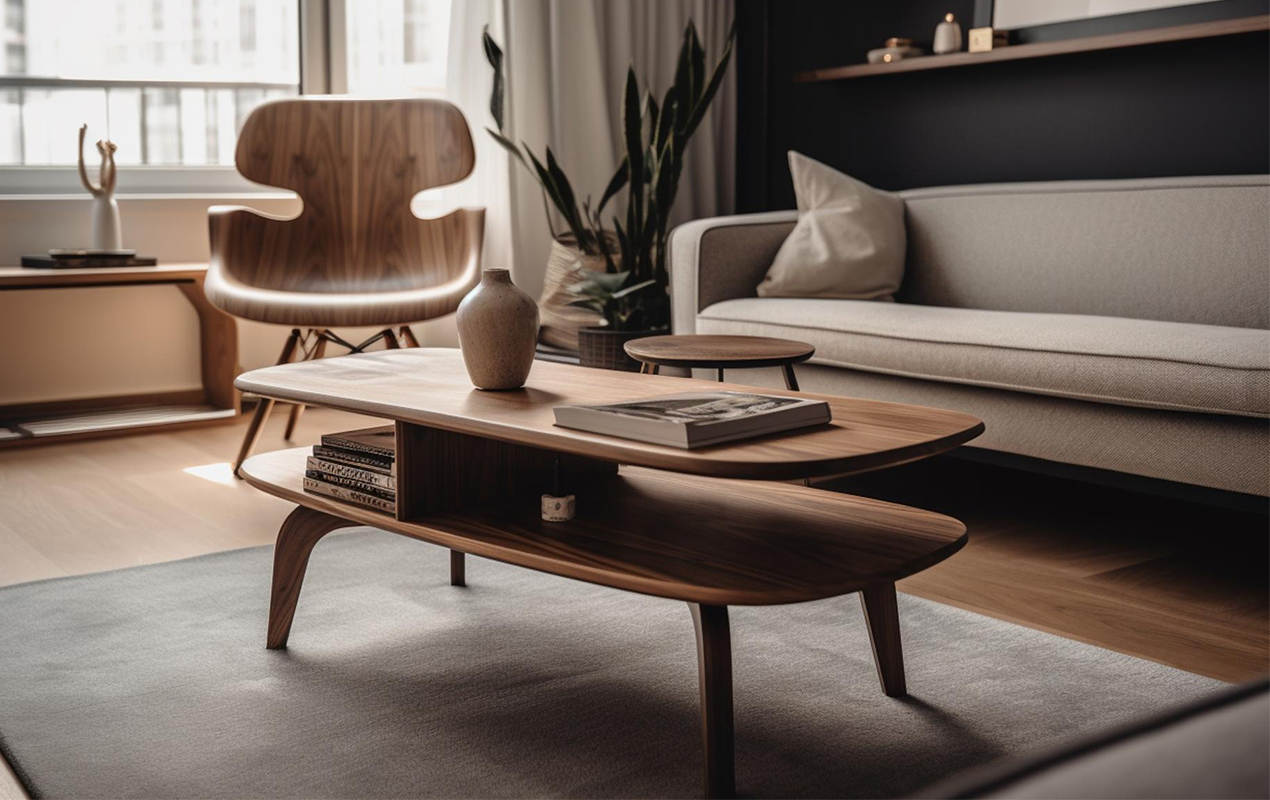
point(615, 185)
point(629, 290)
point(696, 63)
point(632, 128)
point(494, 55)
point(716, 80)
point(570, 201)
point(507, 145)
point(553, 191)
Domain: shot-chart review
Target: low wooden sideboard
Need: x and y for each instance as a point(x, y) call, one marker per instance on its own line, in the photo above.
point(217, 401)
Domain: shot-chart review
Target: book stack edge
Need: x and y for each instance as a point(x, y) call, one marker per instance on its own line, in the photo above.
point(355, 467)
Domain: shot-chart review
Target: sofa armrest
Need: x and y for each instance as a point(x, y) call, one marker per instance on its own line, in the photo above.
point(721, 258)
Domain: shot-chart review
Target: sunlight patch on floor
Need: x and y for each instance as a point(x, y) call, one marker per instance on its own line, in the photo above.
point(221, 472)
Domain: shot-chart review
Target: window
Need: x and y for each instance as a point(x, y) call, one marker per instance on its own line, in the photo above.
point(169, 81)
point(397, 47)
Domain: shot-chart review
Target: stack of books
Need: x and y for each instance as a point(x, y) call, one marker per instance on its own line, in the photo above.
point(356, 467)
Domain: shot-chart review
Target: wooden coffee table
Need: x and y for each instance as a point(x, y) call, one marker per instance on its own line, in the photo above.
point(471, 467)
point(720, 353)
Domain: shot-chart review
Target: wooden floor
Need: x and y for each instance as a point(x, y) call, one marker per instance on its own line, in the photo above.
point(1180, 584)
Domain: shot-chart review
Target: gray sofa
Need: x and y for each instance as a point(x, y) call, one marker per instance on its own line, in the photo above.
point(1118, 325)
point(1218, 747)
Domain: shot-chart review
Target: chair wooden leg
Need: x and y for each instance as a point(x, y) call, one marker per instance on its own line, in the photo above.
point(299, 533)
point(409, 336)
point(318, 351)
point(714, 666)
point(882, 617)
point(265, 406)
point(390, 340)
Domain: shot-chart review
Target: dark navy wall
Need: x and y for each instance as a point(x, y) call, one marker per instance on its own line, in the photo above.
point(1185, 108)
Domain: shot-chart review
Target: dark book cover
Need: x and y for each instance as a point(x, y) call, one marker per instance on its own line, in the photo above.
point(49, 262)
point(374, 463)
point(375, 441)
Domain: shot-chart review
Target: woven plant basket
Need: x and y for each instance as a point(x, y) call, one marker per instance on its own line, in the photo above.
point(606, 349)
point(566, 267)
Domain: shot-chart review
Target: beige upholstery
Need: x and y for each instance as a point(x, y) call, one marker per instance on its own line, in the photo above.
point(1129, 362)
point(1219, 452)
point(1179, 249)
point(1120, 325)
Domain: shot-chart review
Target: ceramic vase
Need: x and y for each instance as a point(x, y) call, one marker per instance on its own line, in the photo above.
point(107, 232)
point(947, 36)
point(498, 332)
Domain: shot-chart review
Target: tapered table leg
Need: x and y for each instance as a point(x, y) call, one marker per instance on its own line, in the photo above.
point(714, 663)
point(299, 533)
point(791, 380)
point(882, 616)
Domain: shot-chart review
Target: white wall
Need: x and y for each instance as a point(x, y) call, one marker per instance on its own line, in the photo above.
point(70, 343)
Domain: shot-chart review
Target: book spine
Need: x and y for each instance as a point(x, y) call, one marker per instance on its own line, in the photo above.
point(334, 469)
point(350, 483)
point(340, 443)
point(350, 496)
point(358, 459)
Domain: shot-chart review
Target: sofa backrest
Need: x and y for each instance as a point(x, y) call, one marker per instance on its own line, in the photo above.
point(1176, 249)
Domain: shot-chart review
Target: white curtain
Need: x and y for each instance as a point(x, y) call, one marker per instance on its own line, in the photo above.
point(566, 63)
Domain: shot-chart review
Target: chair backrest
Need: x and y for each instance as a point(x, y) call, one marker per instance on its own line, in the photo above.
point(355, 164)
point(1177, 249)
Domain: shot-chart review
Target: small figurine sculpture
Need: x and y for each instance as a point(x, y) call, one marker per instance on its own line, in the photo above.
point(107, 232)
point(947, 36)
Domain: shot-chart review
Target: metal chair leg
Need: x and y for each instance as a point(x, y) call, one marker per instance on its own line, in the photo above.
point(266, 405)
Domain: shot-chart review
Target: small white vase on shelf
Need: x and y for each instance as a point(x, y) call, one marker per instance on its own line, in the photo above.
point(947, 36)
point(107, 232)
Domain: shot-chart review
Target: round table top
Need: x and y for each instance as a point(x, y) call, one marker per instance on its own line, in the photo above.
point(718, 351)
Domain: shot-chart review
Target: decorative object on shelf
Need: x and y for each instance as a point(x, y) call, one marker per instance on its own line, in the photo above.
point(983, 40)
point(107, 232)
point(895, 49)
point(947, 36)
point(559, 509)
point(633, 252)
point(498, 330)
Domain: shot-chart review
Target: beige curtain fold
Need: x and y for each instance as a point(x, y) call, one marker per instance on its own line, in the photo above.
point(566, 64)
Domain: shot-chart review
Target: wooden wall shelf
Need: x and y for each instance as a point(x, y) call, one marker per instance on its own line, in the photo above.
point(1177, 33)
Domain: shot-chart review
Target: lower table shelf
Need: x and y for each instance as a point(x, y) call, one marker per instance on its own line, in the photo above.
point(701, 540)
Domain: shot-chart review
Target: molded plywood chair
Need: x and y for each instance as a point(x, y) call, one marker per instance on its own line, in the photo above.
point(356, 255)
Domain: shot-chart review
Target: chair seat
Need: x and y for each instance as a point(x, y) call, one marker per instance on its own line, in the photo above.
point(311, 309)
point(1130, 362)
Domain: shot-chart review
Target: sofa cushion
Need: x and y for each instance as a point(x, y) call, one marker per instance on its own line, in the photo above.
point(1131, 362)
point(848, 243)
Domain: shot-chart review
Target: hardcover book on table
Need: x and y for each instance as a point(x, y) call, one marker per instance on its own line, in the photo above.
point(696, 419)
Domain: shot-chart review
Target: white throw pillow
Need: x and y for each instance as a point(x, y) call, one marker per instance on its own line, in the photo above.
point(849, 241)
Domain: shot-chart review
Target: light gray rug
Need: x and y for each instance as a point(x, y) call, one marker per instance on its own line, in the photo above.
point(154, 682)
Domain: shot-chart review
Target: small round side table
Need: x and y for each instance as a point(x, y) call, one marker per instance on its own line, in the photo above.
point(720, 352)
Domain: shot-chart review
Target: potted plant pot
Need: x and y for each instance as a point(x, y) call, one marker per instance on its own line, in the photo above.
point(605, 349)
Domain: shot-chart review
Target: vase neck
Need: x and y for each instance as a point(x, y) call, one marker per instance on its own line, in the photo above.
point(496, 276)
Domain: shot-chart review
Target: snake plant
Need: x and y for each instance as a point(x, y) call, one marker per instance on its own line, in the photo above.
point(632, 294)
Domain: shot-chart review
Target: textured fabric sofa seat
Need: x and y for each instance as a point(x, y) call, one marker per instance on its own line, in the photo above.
point(1120, 325)
point(1216, 748)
